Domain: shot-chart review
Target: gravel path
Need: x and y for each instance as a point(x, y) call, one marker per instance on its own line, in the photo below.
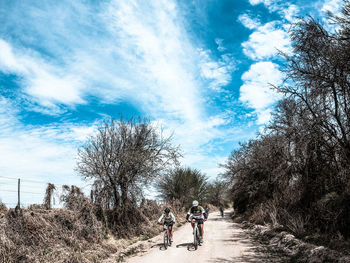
point(224, 242)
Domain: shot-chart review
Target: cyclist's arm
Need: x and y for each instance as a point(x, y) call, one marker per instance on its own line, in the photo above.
point(172, 217)
point(204, 213)
point(160, 218)
point(188, 214)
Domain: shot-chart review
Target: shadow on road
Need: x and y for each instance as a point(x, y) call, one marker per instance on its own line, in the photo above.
point(257, 253)
point(189, 246)
point(160, 245)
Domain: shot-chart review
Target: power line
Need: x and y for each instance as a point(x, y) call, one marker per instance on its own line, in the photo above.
point(9, 178)
point(14, 191)
point(36, 181)
point(1, 183)
point(27, 180)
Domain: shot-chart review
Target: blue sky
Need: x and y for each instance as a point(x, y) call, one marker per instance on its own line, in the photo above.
point(199, 69)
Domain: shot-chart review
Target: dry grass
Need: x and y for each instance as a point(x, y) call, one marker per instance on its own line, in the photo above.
point(73, 234)
point(58, 235)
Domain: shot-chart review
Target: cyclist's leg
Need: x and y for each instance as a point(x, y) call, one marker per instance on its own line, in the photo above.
point(201, 229)
point(170, 228)
point(193, 221)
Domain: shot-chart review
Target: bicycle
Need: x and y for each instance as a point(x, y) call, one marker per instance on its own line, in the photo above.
point(196, 235)
point(167, 239)
point(221, 212)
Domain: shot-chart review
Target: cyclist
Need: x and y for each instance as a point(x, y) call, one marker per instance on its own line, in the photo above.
point(197, 213)
point(207, 210)
point(221, 211)
point(169, 221)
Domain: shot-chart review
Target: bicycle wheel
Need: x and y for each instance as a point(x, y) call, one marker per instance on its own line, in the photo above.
point(166, 240)
point(169, 240)
point(195, 238)
point(199, 238)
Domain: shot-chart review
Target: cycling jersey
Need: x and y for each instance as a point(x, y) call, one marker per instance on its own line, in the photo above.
point(167, 218)
point(197, 212)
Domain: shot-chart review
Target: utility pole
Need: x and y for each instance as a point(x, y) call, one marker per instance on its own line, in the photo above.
point(19, 195)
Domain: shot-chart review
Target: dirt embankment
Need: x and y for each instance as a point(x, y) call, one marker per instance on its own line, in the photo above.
point(280, 242)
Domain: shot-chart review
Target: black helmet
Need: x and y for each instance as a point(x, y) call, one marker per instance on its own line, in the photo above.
point(167, 210)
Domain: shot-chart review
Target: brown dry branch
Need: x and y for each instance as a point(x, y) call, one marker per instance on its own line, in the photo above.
point(48, 195)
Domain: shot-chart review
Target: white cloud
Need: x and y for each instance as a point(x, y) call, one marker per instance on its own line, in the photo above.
point(8, 62)
point(217, 72)
point(290, 13)
point(256, 92)
point(266, 41)
point(41, 80)
point(159, 54)
point(220, 42)
point(285, 9)
point(248, 22)
point(45, 154)
point(255, 2)
point(203, 141)
point(263, 116)
point(333, 6)
point(144, 56)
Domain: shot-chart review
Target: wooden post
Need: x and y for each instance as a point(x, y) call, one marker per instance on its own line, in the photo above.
point(19, 191)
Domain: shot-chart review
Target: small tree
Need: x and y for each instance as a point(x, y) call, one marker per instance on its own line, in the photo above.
point(216, 193)
point(183, 184)
point(122, 158)
point(48, 195)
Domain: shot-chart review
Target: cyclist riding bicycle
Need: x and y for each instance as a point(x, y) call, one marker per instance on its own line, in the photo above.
point(207, 209)
point(197, 213)
point(221, 211)
point(169, 221)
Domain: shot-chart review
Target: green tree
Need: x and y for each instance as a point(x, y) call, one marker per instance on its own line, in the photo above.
point(216, 193)
point(183, 184)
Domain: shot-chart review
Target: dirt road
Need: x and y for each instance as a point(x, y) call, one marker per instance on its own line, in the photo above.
point(224, 241)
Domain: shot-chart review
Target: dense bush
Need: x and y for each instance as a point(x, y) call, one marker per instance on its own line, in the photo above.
point(298, 171)
point(183, 184)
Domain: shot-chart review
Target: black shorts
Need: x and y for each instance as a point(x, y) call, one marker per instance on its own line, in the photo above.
point(169, 223)
point(199, 221)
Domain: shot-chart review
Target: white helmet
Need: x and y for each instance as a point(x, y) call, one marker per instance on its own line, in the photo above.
point(195, 203)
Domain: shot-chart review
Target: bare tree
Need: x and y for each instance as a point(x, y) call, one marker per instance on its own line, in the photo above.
point(122, 158)
point(298, 173)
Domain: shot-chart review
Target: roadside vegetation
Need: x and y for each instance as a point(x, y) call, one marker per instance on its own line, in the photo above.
point(121, 160)
point(296, 174)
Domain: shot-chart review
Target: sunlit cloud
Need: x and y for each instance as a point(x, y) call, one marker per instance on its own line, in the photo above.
point(333, 6)
point(248, 22)
point(266, 41)
point(256, 91)
point(285, 9)
point(46, 153)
